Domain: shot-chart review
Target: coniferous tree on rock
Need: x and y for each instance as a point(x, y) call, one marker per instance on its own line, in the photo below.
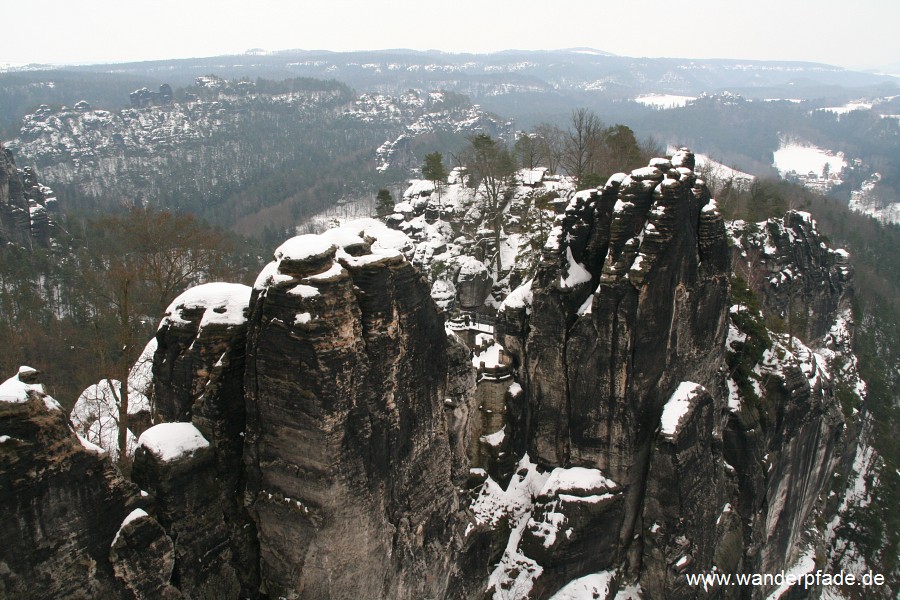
point(384, 202)
point(434, 171)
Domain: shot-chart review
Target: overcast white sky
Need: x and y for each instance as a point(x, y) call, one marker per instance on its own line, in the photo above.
point(852, 33)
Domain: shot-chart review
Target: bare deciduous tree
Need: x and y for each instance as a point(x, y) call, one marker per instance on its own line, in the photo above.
point(581, 143)
point(492, 166)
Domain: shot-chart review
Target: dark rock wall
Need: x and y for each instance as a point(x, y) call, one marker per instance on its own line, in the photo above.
point(601, 353)
point(460, 406)
point(347, 452)
point(186, 498)
point(24, 204)
point(686, 490)
point(62, 506)
point(787, 444)
point(784, 451)
point(198, 376)
point(601, 357)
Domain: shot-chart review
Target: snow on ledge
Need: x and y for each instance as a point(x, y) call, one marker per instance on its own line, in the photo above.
point(494, 439)
point(222, 303)
point(678, 405)
point(576, 273)
point(595, 585)
point(89, 445)
point(521, 297)
point(138, 513)
point(304, 247)
point(171, 441)
point(576, 479)
point(15, 391)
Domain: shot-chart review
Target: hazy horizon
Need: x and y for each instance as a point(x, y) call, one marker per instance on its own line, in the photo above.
point(103, 31)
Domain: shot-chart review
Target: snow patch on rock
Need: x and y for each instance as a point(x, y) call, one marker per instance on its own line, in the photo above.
point(222, 304)
point(15, 391)
point(138, 513)
point(678, 406)
point(172, 441)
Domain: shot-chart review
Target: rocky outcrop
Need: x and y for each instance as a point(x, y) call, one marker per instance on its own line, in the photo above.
point(25, 205)
point(574, 507)
point(324, 434)
point(797, 276)
point(347, 451)
point(630, 300)
point(460, 406)
point(687, 489)
point(786, 436)
point(62, 504)
point(620, 340)
point(784, 446)
point(473, 284)
point(176, 466)
point(143, 557)
point(198, 377)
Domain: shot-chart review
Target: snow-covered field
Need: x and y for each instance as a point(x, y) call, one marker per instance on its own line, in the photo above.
point(664, 100)
point(849, 107)
point(803, 158)
point(721, 173)
point(865, 200)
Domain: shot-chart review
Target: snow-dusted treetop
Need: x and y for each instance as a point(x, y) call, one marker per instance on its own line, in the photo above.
point(107, 392)
point(171, 441)
point(222, 303)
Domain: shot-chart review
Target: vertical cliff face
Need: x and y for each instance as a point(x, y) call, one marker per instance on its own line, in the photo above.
point(25, 205)
point(347, 451)
point(621, 342)
point(786, 431)
point(62, 503)
point(630, 300)
point(198, 378)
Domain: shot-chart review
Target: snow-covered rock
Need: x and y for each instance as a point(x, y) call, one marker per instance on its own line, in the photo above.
point(172, 441)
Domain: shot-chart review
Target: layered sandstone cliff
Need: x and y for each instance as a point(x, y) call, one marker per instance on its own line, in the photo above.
point(621, 345)
point(25, 205)
point(347, 452)
point(322, 435)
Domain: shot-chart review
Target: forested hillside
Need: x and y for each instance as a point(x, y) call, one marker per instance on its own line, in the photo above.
point(250, 155)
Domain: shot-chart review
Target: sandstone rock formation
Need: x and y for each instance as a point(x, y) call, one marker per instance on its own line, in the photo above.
point(25, 205)
point(198, 377)
point(625, 320)
point(347, 451)
point(798, 277)
point(62, 502)
point(324, 434)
